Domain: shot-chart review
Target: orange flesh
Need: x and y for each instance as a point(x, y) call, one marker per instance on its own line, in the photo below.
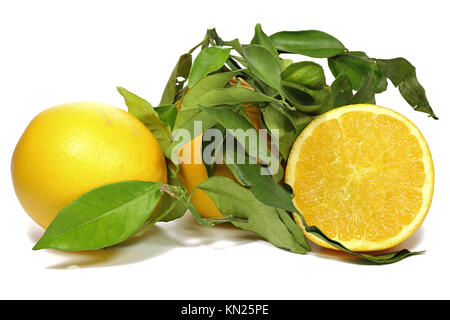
point(360, 177)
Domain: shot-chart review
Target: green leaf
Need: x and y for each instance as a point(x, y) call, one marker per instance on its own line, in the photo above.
point(403, 75)
point(312, 43)
point(285, 63)
point(299, 96)
point(181, 69)
point(307, 100)
point(214, 37)
point(357, 67)
point(306, 73)
point(144, 111)
point(189, 111)
point(233, 200)
point(102, 217)
point(207, 61)
point(263, 40)
point(236, 45)
point(366, 94)
point(295, 230)
point(260, 182)
point(298, 119)
point(205, 143)
point(342, 90)
point(279, 124)
point(413, 92)
point(232, 122)
point(167, 114)
point(240, 60)
point(233, 96)
point(375, 259)
point(397, 70)
point(263, 65)
point(211, 82)
point(241, 129)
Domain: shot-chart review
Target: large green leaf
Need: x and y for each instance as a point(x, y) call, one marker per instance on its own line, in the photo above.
point(208, 60)
point(233, 200)
point(263, 65)
point(181, 69)
point(144, 111)
point(102, 217)
point(312, 43)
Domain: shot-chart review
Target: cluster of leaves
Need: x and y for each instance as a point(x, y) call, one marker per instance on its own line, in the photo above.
point(288, 94)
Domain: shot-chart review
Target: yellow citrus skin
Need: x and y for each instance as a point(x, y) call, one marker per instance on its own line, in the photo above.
point(192, 174)
point(72, 148)
point(364, 175)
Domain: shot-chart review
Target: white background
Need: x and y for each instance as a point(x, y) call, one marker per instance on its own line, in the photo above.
point(53, 52)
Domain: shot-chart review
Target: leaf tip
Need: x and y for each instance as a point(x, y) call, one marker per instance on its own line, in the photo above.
point(39, 246)
point(122, 91)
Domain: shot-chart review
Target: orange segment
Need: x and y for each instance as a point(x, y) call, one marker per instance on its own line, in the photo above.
point(364, 175)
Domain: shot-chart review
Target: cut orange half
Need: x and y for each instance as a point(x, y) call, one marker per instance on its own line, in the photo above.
point(364, 175)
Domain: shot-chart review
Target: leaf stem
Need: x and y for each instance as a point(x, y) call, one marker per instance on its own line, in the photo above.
point(165, 188)
point(212, 34)
point(365, 59)
point(225, 220)
point(205, 40)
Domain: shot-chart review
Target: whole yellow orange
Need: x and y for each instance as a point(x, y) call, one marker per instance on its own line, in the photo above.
point(72, 148)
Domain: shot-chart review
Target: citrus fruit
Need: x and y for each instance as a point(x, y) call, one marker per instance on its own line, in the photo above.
point(364, 175)
point(72, 148)
point(191, 174)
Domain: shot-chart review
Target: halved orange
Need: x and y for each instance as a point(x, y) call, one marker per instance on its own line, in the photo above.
point(364, 175)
